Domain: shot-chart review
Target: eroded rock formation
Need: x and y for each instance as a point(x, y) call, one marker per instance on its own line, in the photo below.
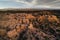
point(23, 26)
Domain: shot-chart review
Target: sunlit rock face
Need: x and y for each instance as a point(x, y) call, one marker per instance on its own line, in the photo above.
point(43, 25)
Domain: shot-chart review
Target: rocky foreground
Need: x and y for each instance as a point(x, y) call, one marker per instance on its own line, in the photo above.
point(43, 25)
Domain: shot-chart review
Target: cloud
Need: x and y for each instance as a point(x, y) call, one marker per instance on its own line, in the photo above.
point(33, 3)
point(22, 2)
point(29, 2)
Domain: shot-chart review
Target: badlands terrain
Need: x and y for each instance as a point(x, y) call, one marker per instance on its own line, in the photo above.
point(30, 25)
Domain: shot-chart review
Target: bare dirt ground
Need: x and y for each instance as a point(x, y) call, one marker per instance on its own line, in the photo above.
point(43, 25)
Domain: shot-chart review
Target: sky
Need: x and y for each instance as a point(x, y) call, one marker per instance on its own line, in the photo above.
point(29, 3)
